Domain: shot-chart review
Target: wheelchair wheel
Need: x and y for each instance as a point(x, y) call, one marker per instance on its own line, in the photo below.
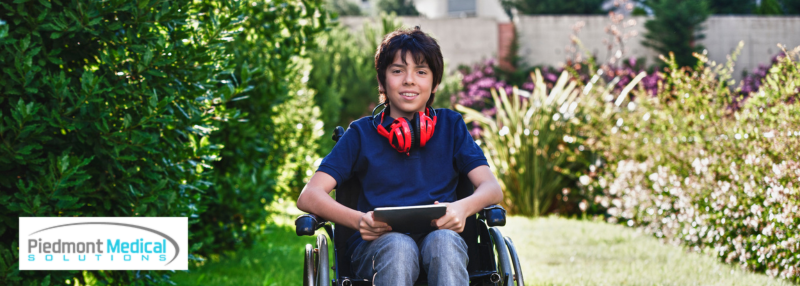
point(515, 260)
point(308, 266)
point(504, 266)
point(323, 266)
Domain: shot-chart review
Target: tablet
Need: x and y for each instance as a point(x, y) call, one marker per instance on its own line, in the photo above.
point(412, 219)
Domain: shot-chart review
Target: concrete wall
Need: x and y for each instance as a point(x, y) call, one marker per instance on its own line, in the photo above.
point(761, 35)
point(544, 39)
point(463, 40)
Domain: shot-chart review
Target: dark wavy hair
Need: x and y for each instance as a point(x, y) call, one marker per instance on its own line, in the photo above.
point(423, 48)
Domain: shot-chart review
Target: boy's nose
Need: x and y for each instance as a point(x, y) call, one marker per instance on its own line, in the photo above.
point(409, 80)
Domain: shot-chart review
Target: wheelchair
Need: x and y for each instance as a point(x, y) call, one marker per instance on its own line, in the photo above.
point(488, 250)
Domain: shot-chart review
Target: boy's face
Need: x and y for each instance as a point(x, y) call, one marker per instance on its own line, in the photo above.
point(408, 86)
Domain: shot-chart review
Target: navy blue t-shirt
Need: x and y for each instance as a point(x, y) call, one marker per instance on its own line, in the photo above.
point(390, 178)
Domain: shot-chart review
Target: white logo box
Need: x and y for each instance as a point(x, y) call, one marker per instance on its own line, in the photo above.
point(103, 243)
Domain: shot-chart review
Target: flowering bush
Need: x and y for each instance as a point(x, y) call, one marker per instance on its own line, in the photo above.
point(685, 167)
point(752, 81)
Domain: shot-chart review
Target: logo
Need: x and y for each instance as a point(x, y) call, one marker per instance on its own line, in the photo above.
point(103, 243)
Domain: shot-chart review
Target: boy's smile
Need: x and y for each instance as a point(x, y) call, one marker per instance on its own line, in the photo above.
point(408, 86)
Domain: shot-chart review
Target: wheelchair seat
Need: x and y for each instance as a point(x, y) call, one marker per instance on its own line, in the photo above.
point(487, 249)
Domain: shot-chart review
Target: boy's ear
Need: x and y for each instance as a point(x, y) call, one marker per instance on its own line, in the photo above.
point(381, 90)
point(435, 88)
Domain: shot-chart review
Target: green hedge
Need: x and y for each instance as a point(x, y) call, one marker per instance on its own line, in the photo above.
point(149, 108)
point(271, 132)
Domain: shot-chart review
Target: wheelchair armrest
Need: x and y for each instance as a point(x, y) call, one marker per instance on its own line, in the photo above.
point(494, 215)
point(307, 224)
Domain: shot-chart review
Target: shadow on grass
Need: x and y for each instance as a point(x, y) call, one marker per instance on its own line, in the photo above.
point(277, 259)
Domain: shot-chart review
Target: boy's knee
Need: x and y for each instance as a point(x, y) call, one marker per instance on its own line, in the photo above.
point(446, 239)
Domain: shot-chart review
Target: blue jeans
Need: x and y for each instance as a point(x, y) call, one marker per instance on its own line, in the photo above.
point(394, 259)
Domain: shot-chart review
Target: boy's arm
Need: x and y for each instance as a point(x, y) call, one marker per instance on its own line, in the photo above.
point(487, 193)
point(315, 199)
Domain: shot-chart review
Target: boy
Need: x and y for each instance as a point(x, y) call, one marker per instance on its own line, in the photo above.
point(405, 162)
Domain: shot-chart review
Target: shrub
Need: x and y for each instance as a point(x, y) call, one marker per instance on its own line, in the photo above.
point(93, 95)
point(397, 7)
point(123, 109)
point(265, 121)
point(530, 142)
point(689, 169)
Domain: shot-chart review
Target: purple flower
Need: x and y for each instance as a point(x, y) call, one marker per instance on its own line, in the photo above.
point(528, 86)
point(550, 77)
point(475, 132)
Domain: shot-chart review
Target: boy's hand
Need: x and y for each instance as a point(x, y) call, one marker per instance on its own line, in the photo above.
point(454, 219)
point(371, 229)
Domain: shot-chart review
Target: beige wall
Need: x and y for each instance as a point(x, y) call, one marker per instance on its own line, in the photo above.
point(543, 39)
point(761, 35)
point(463, 40)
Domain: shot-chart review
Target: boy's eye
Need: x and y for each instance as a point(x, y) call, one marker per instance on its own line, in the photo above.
point(396, 71)
point(423, 72)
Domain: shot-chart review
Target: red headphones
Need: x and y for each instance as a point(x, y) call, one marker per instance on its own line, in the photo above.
point(403, 134)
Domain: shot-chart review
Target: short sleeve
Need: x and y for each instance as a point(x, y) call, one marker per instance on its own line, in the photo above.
point(340, 162)
point(468, 155)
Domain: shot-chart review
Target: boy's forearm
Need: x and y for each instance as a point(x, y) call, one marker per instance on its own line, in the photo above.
point(486, 194)
point(319, 203)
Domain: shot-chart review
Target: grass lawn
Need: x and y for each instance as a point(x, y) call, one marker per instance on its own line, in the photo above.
point(558, 251)
point(277, 260)
point(554, 251)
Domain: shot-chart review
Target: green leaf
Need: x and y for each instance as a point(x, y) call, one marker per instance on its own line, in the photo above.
point(26, 41)
point(64, 162)
point(29, 108)
point(127, 121)
point(45, 3)
point(153, 101)
point(21, 107)
point(56, 61)
point(46, 280)
point(157, 73)
point(37, 201)
point(148, 56)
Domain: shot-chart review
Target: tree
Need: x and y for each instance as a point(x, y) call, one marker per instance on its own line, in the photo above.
point(556, 7)
point(399, 7)
point(769, 7)
point(343, 7)
point(731, 7)
point(676, 28)
point(791, 7)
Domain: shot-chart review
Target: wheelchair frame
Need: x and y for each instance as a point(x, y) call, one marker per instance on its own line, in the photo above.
point(488, 250)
